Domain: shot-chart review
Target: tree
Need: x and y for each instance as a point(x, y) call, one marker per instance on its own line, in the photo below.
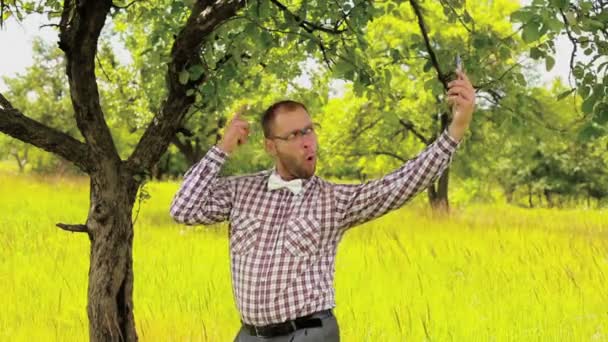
point(585, 24)
point(200, 58)
point(43, 94)
point(396, 106)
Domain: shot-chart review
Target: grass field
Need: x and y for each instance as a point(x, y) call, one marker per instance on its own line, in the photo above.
point(487, 273)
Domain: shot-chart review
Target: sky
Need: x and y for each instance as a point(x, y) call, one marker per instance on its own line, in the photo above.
point(16, 40)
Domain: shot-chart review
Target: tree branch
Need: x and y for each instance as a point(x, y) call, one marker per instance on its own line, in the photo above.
point(74, 228)
point(491, 82)
point(18, 126)
point(80, 26)
point(380, 153)
point(573, 40)
point(410, 126)
point(306, 25)
point(205, 17)
point(125, 6)
point(448, 4)
point(5, 103)
point(427, 42)
point(362, 130)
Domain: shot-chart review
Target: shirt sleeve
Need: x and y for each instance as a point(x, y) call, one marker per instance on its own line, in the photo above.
point(204, 197)
point(359, 203)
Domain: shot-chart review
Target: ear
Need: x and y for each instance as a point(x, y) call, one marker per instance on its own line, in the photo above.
point(270, 147)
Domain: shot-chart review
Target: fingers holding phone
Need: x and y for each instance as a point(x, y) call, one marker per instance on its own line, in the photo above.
point(461, 97)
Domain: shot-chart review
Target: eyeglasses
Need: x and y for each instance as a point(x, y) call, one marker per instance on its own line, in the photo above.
point(294, 135)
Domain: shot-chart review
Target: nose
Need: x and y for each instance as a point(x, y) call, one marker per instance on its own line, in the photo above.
point(308, 142)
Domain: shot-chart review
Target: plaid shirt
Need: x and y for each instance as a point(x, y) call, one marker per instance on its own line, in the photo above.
point(282, 245)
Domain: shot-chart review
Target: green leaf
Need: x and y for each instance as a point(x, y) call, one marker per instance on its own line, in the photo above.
point(504, 52)
point(428, 65)
point(578, 71)
point(184, 76)
point(565, 94)
point(521, 79)
point(583, 91)
point(479, 42)
point(387, 76)
point(571, 17)
point(589, 103)
point(554, 25)
point(549, 63)
point(229, 71)
point(395, 54)
point(6, 15)
point(521, 16)
point(195, 72)
point(342, 68)
point(590, 132)
point(531, 32)
point(601, 116)
point(536, 53)
point(593, 24)
point(358, 88)
point(467, 17)
point(189, 92)
point(266, 39)
point(311, 46)
point(364, 79)
point(561, 4)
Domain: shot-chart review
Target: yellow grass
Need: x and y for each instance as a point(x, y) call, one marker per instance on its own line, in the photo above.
point(487, 273)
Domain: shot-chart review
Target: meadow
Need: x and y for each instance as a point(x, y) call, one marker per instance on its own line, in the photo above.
point(485, 273)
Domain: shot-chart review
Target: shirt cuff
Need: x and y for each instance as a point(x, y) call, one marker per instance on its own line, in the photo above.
point(446, 143)
point(216, 157)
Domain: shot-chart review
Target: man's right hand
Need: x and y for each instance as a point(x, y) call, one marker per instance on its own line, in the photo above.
point(236, 133)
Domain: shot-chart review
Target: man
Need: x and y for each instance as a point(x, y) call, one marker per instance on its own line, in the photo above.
point(285, 223)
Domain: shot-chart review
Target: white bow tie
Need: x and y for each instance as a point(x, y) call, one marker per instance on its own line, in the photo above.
point(276, 182)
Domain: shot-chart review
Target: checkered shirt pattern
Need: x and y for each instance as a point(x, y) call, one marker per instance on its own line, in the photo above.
point(283, 245)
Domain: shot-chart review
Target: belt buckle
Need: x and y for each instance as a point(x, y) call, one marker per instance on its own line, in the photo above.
point(257, 333)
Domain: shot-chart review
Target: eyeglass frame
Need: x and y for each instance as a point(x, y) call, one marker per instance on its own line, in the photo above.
point(298, 133)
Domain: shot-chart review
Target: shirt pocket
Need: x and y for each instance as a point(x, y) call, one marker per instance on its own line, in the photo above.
point(302, 236)
point(243, 236)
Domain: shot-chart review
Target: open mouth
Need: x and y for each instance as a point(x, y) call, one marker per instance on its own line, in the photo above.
point(310, 158)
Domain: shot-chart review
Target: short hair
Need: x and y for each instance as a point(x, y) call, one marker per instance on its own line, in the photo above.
point(271, 113)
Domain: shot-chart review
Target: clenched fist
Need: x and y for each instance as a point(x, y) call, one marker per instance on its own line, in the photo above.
point(236, 133)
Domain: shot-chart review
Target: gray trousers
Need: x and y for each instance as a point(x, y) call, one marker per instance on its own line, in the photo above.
point(329, 332)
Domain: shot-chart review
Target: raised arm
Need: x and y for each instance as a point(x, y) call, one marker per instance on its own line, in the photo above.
point(359, 203)
point(204, 197)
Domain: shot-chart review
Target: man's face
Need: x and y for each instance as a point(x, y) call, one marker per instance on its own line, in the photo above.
point(298, 153)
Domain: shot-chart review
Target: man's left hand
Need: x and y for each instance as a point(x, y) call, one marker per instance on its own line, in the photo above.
point(461, 95)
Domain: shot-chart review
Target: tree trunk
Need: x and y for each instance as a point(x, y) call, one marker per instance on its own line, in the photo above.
point(438, 193)
point(438, 197)
point(509, 195)
point(110, 291)
point(21, 161)
point(549, 198)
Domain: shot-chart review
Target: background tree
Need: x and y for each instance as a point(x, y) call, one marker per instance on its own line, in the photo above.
point(395, 106)
point(585, 24)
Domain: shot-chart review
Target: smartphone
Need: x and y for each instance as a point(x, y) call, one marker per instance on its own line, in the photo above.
point(458, 67)
point(458, 63)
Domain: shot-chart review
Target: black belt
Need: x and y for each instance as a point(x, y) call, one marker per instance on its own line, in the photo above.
point(285, 328)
